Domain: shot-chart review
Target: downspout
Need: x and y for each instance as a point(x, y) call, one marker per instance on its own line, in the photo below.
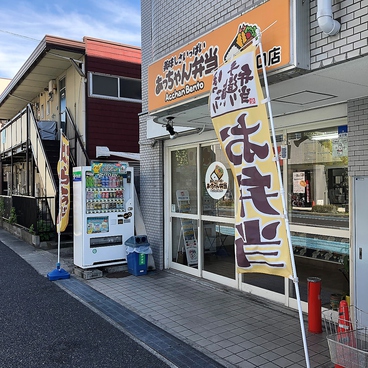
point(324, 17)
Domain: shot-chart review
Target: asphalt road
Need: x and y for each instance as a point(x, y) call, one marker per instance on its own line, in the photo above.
point(41, 325)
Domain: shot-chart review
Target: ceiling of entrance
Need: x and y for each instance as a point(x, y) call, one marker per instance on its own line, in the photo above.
point(328, 86)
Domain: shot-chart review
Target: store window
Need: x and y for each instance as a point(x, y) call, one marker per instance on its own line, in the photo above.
point(318, 178)
point(318, 202)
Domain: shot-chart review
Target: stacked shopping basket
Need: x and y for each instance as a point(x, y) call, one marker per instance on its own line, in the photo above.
point(347, 337)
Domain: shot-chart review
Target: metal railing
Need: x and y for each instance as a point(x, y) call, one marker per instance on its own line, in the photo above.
point(31, 212)
point(42, 163)
point(22, 132)
point(78, 153)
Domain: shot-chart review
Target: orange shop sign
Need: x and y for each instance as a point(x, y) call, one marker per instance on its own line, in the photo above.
point(187, 72)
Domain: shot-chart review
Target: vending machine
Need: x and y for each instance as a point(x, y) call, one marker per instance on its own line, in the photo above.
point(103, 213)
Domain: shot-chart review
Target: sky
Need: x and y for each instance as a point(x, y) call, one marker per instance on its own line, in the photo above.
point(23, 24)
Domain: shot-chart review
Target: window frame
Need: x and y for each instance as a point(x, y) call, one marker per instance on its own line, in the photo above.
point(108, 97)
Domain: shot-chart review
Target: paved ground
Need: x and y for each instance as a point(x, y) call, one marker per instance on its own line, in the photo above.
point(189, 321)
point(43, 326)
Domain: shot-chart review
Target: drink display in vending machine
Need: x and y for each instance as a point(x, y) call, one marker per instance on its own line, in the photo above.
point(103, 208)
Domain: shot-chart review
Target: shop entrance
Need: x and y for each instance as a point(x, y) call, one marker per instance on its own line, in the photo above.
point(201, 233)
point(202, 211)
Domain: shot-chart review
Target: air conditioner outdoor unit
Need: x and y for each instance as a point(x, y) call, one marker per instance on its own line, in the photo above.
point(52, 85)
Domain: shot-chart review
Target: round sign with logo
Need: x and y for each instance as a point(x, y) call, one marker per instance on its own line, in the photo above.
point(217, 180)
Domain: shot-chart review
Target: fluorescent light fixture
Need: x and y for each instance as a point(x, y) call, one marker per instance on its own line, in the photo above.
point(325, 136)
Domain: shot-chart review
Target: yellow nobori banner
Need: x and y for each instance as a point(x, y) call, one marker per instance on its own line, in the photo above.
point(64, 185)
point(240, 119)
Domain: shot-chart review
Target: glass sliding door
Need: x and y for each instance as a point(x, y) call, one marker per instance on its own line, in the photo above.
point(184, 238)
point(202, 210)
point(218, 244)
point(218, 212)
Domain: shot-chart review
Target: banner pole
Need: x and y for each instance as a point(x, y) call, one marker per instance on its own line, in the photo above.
point(59, 214)
point(282, 192)
point(59, 273)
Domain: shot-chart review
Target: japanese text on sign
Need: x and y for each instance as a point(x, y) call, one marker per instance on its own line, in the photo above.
point(233, 87)
point(241, 125)
point(63, 173)
point(189, 66)
point(255, 188)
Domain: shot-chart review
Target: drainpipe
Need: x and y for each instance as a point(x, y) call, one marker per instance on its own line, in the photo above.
point(324, 17)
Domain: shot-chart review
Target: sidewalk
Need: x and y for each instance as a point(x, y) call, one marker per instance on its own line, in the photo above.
point(190, 321)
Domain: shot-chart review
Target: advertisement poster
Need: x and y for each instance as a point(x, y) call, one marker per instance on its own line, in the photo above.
point(301, 197)
point(340, 147)
point(299, 182)
point(96, 225)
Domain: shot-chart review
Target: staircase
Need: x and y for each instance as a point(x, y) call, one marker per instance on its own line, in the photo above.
point(52, 152)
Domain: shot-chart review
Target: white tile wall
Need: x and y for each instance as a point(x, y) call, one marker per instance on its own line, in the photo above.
point(169, 24)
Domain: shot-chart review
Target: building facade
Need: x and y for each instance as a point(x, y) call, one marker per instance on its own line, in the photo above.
point(92, 91)
point(315, 54)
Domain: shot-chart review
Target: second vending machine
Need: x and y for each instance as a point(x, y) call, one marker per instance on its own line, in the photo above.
point(103, 211)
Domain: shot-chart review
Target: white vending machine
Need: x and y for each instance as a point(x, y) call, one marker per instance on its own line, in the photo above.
point(103, 212)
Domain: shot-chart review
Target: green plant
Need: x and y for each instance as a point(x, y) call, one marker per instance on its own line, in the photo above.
point(31, 230)
point(44, 230)
point(13, 216)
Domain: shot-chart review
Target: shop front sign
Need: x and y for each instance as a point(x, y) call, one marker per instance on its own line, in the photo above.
point(187, 72)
